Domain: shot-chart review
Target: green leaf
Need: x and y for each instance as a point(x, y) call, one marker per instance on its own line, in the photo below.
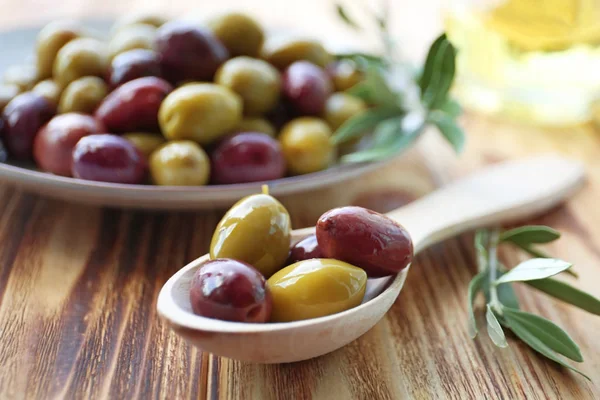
point(535, 252)
point(474, 288)
point(449, 129)
point(568, 294)
point(384, 150)
point(381, 94)
point(359, 124)
point(494, 329)
point(430, 62)
point(387, 132)
point(545, 331)
point(531, 234)
point(362, 60)
point(506, 292)
point(344, 16)
point(451, 107)
point(438, 73)
point(535, 268)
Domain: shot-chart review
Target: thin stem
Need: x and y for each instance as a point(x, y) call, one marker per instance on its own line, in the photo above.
point(493, 270)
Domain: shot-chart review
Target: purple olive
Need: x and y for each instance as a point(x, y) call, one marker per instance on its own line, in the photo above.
point(133, 64)
point(230, 290)
point(23, 117)
point(108, 158)
point(305, 249)
point(307, 87)
point(247, 157)
point(188, 52)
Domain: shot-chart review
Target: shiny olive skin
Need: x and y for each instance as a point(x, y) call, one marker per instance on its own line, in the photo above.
point(78, 58)
point(83, 95)
point(247, 157)
point(23, 117)
point(315, 288)
point(344, 74)
point(230, 290)
point(108, 158)
point(306, 145)
point(133, 64)
point(7, 93)
point(3, 151)
point(145, 142)
point(240, 33)
point(306, 87)
point(54, 143)
point(255, 124)
point(23, 76)
point(137, 36)
point(50, 40)
point(188, 52)
point(202, 112)
point(48, 89)
point(180, 163)
point(362, 237)
point(255, 230)
point(134, 105)
point(256, 81)
point(305, 249)
point(340, 107)
point(282, 52)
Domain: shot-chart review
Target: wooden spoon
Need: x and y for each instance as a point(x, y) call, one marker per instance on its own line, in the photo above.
point(499, 194)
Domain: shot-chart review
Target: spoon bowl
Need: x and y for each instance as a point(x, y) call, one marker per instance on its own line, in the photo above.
point(501, 193)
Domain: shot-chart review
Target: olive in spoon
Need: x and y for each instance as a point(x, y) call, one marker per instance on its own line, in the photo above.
point(499, 194)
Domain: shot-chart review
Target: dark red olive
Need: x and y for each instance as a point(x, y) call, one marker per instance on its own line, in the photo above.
point(247, 157)
point(366, 239)
point(230, 290)
point(188, 52)
point(305, 249)
point(54, 143)
point(23, 117)
point(134, 105)
point(307, 87)
point(3, 152)
point(133, 64)
point(108, 158)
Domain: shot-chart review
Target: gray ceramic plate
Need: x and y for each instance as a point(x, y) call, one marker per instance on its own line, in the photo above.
point(17, 47)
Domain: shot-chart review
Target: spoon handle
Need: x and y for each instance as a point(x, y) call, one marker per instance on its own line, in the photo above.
point(498, 194)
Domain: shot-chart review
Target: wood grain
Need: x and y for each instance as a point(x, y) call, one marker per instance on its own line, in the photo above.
point(78, 285)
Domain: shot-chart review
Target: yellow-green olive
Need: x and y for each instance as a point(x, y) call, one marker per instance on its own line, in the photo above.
point(7, 93)
point(137, 36)
point(281, 52)
point(144, 17)
point(50, 40)
point(180, 163)
point(254, 124)
point(49, 90)
point(202, 112)
point(78, 58)
point(255, 230)
point(145, 142)
point(306, 145)
point(256, 81)
point(23, 76)
point(344, 74)
point(240, 33)
point(83, 95)
point(315, 288)
point(340, 107)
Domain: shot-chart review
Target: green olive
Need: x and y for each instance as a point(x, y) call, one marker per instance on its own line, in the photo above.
point(202, 112)
point(306, 145)
point(344, 74)
point(255, 230)
point(83, 95)
point(340, 107)
point(315, 288)
point(240, 33)
point(7, 93)
point(180, 163)
point(78, 58)
point(137, 36)
point(145, 18)
point(253, 124)
point(23, 76)
point(50, 40)
point(256, 81)
point(145, 142)
point(281, 52)
point(48, 89)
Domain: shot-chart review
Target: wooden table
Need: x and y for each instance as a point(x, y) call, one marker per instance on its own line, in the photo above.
point(78, 285)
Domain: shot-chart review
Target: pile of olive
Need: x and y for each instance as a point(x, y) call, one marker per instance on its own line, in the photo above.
point(254, 276)
point(179, 102)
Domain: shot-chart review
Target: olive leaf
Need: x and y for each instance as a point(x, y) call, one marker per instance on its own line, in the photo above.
point(451, 107)
point(535, 268)
point(449, 129)
point(474, 288)
point(362, 60)
point(567, 293)
point(506, 292)
point(535, 252)
point(374, 89)
point(438, 73)
point(494, 329)
point(344, 17)
point(362, 122)
point(530, 234)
